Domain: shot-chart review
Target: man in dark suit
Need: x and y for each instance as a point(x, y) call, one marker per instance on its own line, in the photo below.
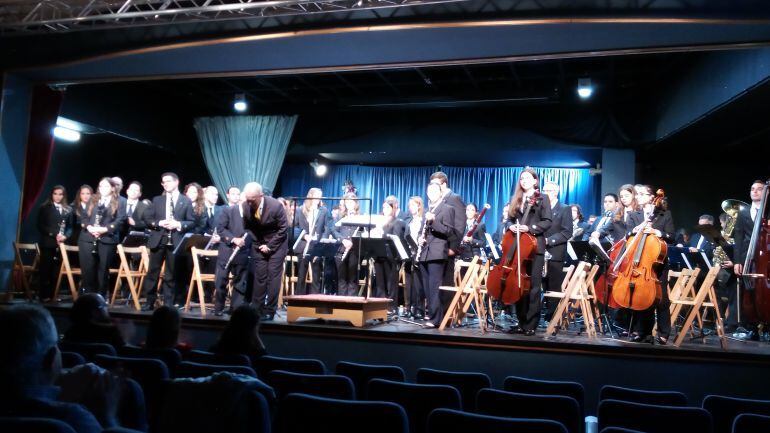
point(744, 225)
point(316, 221)
point(231, 231)
point(135, 208)
point(265, 217)
point(458, 223)
point(605, 228)
point(699, 243)
point(213, 210)
point(556, 237)
point(433, 254)
point(168, 218)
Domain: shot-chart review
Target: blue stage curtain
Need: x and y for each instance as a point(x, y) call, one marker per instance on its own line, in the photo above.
point(479, 185)
point(241, 149)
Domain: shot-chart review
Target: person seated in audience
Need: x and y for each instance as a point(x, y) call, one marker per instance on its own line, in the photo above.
point(241, 335)
point(90, 322)
point(163, 332)
point(30, 364)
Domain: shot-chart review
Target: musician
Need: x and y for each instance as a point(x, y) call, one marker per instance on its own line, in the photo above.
point(473, 244)
point(605, 229)
point(135, 207)
point(168, 218)
point(230, 226)
point(435, 240)
point(100, 236)
point(233, 195)
point(662, 226)
point(347, 266)
point(211, 197)
point(579, 225)
point(698, 242)
point(80, 212)
point(316, 221)
point(556, 238)
point(266, 219)
point(414, 294)
point(744, 225)
point(628, 204)
point(536, 222)
point(54, 224)
point(194, 192)
point(726, 279)
point(458, 224)
point(386, 269)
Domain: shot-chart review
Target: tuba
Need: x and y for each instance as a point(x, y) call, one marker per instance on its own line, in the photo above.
point(731, 208)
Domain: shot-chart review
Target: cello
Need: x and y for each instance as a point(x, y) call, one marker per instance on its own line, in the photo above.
point(636, 284)
point(756, 268)
point(508, 281)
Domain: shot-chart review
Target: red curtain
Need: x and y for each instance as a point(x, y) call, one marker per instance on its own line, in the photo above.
point(44, 110)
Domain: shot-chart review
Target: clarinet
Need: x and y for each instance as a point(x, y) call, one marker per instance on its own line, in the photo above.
point(97, 222)
point(235, 252)
point(170, 242)
point(422, 240)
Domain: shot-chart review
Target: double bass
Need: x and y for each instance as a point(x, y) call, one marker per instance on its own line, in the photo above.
point(756, 268)
point(636, 285)
point(508, 281)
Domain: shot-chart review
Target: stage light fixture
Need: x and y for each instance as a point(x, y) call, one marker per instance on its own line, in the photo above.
point(239, 104)
point(320, 169)
point(66, 134)
point(584, 88)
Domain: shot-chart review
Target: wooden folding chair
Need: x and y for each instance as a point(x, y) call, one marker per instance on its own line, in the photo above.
point(23, 269)
point(580, 294)
point(461, 291)
point(683, 289)
point(67, 270)
point(476, 297)
point(134, 277)
point(704, 299)
point(198, 278)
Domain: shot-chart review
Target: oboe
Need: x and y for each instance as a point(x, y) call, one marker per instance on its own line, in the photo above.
point(235, 252)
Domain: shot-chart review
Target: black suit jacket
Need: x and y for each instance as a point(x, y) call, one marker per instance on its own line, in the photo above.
point(662, 221)
point(706, 246)
point(539, 221)
point(559, 232)
point(271, 229)
point(458, 220)
point(744, 225)
point(211, 222)
point(477, 241)
point(112, 220)
point(323, 227)
point(230, 226)
point(79, 216)
point(156, 212)
point(439, 232)
point(49, 223)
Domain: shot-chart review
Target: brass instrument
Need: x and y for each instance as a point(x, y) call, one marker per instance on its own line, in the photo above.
point(731, 207)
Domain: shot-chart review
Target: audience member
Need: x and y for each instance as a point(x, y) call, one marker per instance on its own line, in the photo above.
point(90, 322)
point(241, 335)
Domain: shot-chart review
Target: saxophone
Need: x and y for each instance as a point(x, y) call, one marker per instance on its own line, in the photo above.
point(731, 208)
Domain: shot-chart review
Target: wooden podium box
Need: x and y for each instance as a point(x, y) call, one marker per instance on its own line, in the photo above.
point(354, 309)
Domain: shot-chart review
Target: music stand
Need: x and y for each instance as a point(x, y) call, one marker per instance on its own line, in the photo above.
point(326, 249)
point(585, 252)
point(681, 257)
point(191, 240)
point(370, 248)
point(135, 239)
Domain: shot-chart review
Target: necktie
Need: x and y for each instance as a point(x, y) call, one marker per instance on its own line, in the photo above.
point(210, 213)
point(257, 214)
point(130, 210)
point(753, 213)
point(58, 209)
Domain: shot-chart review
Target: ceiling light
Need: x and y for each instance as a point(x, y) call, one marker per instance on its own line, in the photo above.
point(66, 134)
point(585, 89)
point(320, 169)
point(239, 104)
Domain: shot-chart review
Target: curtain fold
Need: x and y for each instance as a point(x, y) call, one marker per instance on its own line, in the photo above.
point(479, 185)
point(241, 149)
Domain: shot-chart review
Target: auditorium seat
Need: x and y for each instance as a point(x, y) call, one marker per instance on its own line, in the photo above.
point(194, 369)
point(619, 430)
point(546, 387)
point(71, 359)
point(37, 425)
point(562, 409)
point(268, 363)
point(87, 350)
point(170, 357)
point(331, 386)
point(149, 373)
point(203, 357)
point(468, 383)
point(751, 423)
point(651, 418)
point(308, 413)
point(418, 400)
point(662, 398)
point(361, 374)
point(132, 411)
point(724, 410)
point(450, 420)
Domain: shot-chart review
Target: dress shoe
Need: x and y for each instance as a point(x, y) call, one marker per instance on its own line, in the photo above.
point(218, 313)
point(429, 325)
point(529, 332)
point(637, 338)
point(516, 330)
point(268, 317)
point(661, 340)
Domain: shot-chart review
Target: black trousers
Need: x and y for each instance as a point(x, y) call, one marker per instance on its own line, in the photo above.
point(644, 321)
point(240, 272)
point(48, 271)
point(726, 284)
point(347, 275)
point(315, 285)
point(267, 270)
point(528, 307)
point(553, 283)
point(386, 277)
point(150, 285)
point(414, 294)
point(96, 267)
point(432, 278)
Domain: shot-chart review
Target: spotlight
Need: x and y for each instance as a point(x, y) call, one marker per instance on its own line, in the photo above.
point(320, 169)
point(66, 134)
point(239, 104)
point(584, 88)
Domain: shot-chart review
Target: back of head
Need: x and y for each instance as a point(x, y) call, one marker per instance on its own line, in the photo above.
point(89, 308)
point(240, 334)
point(163, 332)
point(27, 335)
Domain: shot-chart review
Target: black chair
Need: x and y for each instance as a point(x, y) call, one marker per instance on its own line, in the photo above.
point(560, 408)
point(37, 425)
point(468, 383)
point(619, 430)
point(724, 410)
point(132, 411)
point(751, 423)
point(87, 350)
point(202, 357)
point(449, 420)
point(418, 400)
point(194, 369)
point(170, 357)
point(71, 359)
point(546, 387)
point(308, 413)
point(651, 418)
point(361, 374)
point(268, 363)
point(661, 398)
point(330, 386)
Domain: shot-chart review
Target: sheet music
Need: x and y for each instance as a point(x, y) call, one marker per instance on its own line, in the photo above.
point(571, 252)
point(299, 239)
point(706, 259)
point(362, 220)
point(492, 246)
point(599, 249)
point(399, 247)
point(686, 262)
